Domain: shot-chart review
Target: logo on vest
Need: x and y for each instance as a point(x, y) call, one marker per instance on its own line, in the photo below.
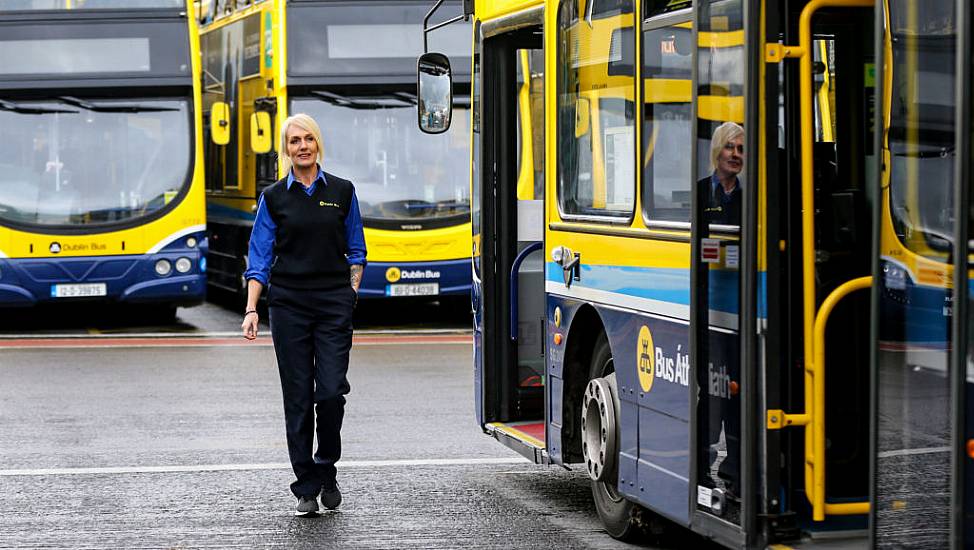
point(331, 204)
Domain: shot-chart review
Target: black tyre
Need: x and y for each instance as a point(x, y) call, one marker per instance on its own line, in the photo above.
point(620, 517)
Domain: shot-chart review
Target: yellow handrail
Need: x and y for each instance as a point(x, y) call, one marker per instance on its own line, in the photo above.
point(814, 414)
point(819, 507)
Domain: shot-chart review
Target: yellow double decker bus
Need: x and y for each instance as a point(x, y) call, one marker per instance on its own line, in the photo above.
point(101, 194)
point(352, 68)
point(744, 288)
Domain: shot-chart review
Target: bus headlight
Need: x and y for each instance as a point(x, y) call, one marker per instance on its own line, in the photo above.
point(183, 265)
point(894, 277)
point(191, 242)
point(163, 268)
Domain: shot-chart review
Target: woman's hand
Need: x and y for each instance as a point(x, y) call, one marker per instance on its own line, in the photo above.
point(356, 278)
point(249, 325)
point(251, 319)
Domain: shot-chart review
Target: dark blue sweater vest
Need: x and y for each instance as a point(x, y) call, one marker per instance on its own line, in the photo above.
point(310, 246)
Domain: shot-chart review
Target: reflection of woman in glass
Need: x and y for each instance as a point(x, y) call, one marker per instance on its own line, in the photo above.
point(727, 161)
point(723, 206)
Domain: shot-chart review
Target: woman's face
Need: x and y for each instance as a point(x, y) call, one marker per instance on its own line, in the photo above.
point(301, 147)
point(730, 161)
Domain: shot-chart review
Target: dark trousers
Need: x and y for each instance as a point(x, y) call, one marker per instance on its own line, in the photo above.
point(312, 332)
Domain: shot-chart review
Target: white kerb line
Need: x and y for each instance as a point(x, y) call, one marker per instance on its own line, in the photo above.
point(344, 464)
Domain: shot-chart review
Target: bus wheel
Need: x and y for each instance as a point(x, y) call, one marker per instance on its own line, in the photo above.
point(600, 443)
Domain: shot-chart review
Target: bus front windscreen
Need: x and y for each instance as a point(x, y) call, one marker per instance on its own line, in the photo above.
point(401, 176)
point(89, 162)
point(25, 5)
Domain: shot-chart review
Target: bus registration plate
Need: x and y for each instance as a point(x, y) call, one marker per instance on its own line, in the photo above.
point(79, 291)
point(421, 289)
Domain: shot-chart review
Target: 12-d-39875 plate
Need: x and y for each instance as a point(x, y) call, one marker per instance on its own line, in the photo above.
point(79, 290)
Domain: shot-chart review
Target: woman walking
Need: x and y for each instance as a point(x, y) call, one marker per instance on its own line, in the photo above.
point(307, 246)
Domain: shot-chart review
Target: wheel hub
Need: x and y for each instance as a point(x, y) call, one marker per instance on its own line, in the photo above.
point(599, 428)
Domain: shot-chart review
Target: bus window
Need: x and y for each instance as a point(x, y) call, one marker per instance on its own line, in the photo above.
point(921, 136)
point(667, 71)
point(231, 58)
point(530, 135)
point(652, 8)
point(595, 78)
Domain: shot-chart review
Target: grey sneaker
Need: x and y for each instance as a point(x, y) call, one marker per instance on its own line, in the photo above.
point(331, 496)
point(307, 505)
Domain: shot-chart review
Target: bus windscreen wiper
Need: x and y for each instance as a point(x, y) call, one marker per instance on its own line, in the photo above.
point(24, 110)
point(102, 108)
point(365, 102)
point(416, 204)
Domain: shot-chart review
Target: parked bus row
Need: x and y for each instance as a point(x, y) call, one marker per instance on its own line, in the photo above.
point(141, 134)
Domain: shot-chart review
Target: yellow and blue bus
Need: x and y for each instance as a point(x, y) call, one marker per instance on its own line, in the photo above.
point(797, 372)
point(352, 68)
point(101, 194)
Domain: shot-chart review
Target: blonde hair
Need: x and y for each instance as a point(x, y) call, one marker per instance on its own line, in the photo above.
point(305, 122)
point(724, 134)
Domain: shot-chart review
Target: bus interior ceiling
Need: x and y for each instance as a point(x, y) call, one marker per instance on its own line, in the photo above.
point(843, 161)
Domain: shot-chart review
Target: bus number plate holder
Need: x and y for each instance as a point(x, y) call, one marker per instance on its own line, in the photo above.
point(79, 290)
point(420, 289)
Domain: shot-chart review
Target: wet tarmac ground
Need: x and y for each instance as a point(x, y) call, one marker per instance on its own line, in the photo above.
point(221, 314)
point(123, 435)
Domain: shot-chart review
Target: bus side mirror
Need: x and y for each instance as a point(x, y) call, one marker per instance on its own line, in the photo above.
point(435, 92)
point(220, 123)
point(260, 132)
point(582, 108)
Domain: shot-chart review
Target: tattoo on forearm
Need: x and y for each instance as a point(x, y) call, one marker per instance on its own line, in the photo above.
point(356, 274)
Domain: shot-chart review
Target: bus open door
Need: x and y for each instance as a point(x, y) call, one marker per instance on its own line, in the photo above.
point(507, 194)
point(817, 204)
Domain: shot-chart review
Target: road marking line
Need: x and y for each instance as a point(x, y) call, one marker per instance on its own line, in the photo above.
point(910, 452)
point(344, 464)
point(222, 334)
point(265, 341)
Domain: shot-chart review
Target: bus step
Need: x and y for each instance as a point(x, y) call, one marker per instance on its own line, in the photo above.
point(527, 438)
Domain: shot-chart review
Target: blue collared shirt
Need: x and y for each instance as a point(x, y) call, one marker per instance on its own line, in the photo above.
point(261, 254)
point(715, 183)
